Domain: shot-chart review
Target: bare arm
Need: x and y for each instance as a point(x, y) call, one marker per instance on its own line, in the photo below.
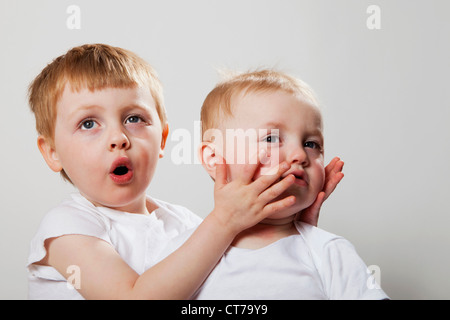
point(105, 275)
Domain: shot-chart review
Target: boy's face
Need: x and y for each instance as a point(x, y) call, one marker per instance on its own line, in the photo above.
point(289, 129)
point(108, 142)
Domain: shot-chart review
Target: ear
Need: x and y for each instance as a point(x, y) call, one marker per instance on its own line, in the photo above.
point(49, 153)
point(208, 158)
point(165, 134)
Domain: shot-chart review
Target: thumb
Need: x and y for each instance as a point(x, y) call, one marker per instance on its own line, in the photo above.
point(311, 214)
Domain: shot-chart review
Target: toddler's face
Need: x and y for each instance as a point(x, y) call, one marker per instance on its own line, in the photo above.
point(289, 129)
point(108, 142)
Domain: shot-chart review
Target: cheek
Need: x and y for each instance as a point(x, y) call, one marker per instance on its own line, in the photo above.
point(147, 151)
point(81, 156)
point(319, 172)
point(78, 163)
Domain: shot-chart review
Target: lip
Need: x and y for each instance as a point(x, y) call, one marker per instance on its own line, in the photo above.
point(301, 178)
point(121, 178)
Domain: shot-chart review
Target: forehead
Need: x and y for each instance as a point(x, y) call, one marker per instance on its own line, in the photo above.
point(254, 109)
point(108, 97)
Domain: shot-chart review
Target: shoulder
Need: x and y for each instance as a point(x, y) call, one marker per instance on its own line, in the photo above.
point(344, 274)
point(318, 238)
point(176, 212)
point(76, 214)
point(73, 216)
point(323, 244)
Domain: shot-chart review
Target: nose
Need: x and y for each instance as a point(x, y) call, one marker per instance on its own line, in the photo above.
point(297, 155)
point(118, 140)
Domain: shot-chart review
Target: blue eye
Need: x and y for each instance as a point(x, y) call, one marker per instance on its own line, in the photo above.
point(134, 119)
point(311, 144)
point(272, 139)
point(88, 124)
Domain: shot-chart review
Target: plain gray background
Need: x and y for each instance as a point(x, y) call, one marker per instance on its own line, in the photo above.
point(385, 96)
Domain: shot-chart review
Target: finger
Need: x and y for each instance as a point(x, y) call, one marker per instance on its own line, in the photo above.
point(276, 189)
point(247, 170)
point(269, 178)
point(314, 209)
point(334, 168)
point(329, 168)
point(221, 173)
point(337, 167)
point(332, 184)
point(277, 206)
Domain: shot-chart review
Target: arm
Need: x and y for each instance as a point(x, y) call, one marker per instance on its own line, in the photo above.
point(104, 274)
point(333, 175)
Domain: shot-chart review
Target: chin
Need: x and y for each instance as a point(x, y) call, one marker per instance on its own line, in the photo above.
point(116, 199)
point(299, 205)
point(290, 212)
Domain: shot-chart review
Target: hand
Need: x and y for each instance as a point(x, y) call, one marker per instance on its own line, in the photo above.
point(244, 202)
point(333, 175)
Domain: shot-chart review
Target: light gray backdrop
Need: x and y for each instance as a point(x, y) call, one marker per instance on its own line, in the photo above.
point(385, 94)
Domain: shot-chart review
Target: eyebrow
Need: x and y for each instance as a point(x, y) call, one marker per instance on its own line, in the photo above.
point(95, 106)
point(272, 124)
point(317, 133)
point(85, 108)
point(137, 106)
point(281, 126)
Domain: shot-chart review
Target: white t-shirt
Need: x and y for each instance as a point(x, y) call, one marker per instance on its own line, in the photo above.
point(314, 264)
point(139, 239)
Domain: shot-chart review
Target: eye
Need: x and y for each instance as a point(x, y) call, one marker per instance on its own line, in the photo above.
point(88, 124)
point(311, 144)
point(134, 119)
point(272, 139)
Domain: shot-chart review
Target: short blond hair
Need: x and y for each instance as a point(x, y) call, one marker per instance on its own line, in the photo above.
point(217, 104)
point(92, 66)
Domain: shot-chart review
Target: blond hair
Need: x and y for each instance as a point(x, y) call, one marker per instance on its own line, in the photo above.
point(92, 66)
point(218, 103)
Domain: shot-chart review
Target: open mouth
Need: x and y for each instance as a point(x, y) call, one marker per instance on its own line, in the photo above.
point(298, 177)
point(300, 180)
point(121, 171)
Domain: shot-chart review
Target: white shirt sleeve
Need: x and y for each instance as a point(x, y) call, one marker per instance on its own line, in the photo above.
point(65, 220)
point(345, 276)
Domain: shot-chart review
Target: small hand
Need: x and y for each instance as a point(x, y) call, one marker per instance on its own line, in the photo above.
point(333, 175)
point(244, 202)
